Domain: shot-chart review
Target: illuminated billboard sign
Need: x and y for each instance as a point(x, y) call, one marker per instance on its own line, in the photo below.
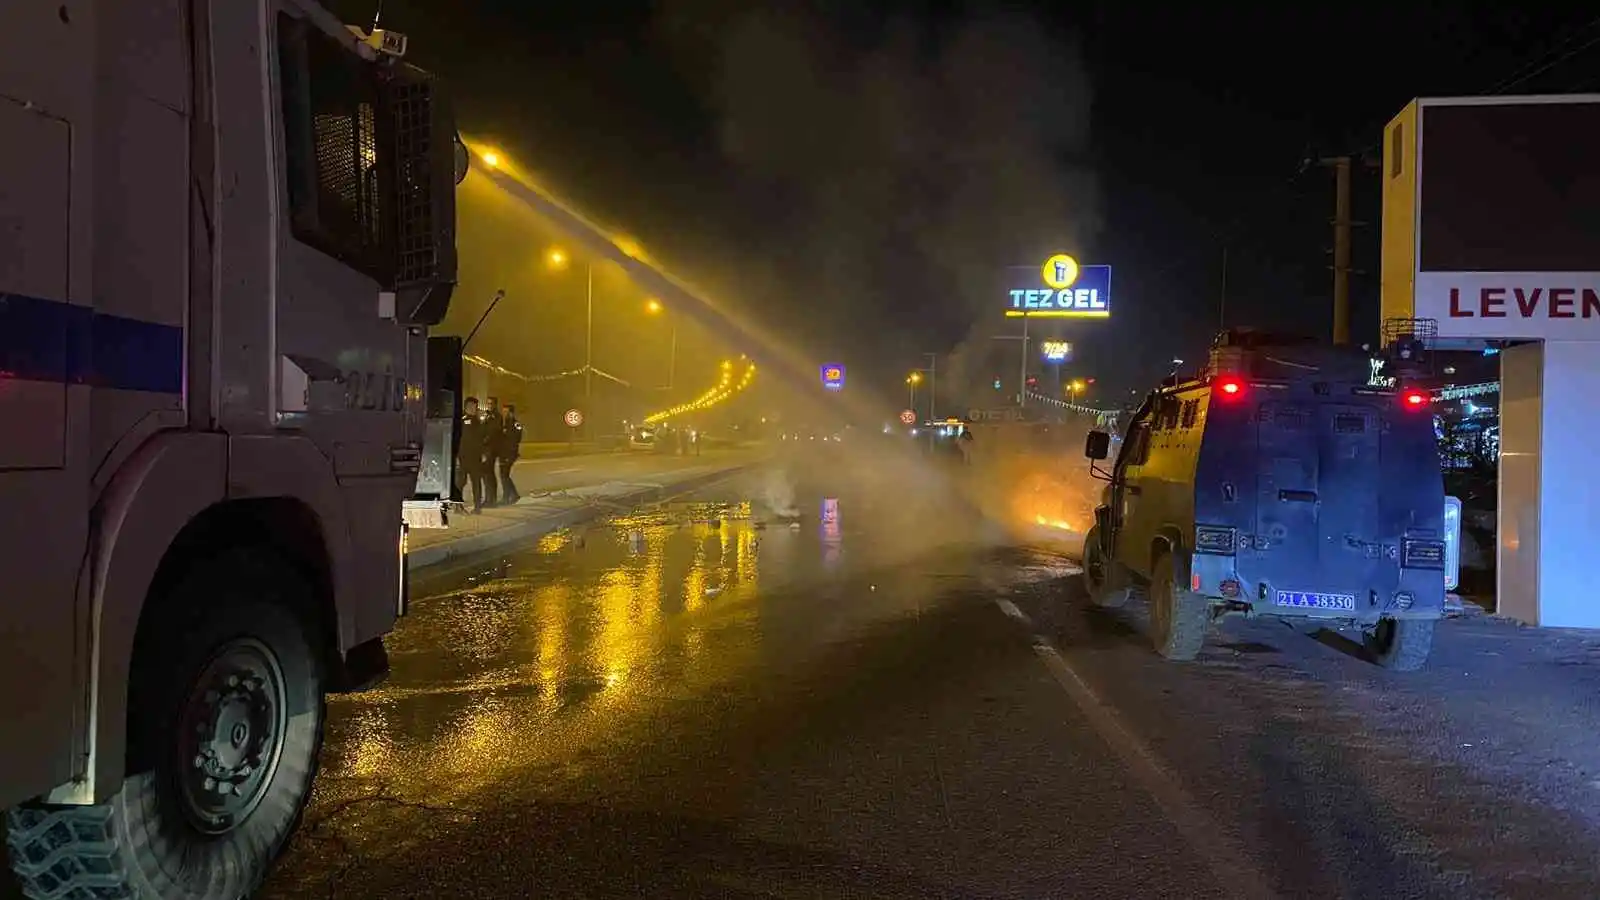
point(1066, 290)
point(833, 377)
point(1527, 270)
point(1055, 351)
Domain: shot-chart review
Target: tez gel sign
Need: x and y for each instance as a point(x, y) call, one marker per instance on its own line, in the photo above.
point(1065, 302)
point(1067, 290)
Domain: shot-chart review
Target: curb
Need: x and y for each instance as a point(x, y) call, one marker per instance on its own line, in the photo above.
point(426, 557)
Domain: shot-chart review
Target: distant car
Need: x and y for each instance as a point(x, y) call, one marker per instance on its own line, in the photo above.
point(642, 438)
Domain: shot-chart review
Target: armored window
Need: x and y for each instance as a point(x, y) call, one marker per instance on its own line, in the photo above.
point(1191, 411)
point(1138, 445)
point(337, 149)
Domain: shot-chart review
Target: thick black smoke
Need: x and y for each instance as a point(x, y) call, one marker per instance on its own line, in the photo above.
point(902, 164)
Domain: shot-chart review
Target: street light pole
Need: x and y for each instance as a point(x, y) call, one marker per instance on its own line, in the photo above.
point(933, 384)
point(1022, 377)
point(672, 357)
point(588, 350)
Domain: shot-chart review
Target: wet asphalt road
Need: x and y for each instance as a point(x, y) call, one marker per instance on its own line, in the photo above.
point(889, 702)
point(554, 473)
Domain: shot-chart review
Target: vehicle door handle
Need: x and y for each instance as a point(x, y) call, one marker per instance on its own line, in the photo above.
point(1287, 496)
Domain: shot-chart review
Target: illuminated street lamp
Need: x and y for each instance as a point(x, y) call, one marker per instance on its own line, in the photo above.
point(557, 258)
point(491, 159)
point(912, 380)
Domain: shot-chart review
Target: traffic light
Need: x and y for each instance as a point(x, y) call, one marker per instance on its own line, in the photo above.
point(997, 382)
point(1033, 382)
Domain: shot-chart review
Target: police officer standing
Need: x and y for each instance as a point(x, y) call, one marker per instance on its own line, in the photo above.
point(510, 449)
point(491, 449)
point(469, 453)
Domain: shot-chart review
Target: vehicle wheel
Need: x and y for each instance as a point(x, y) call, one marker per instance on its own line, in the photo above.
point(1178, 616)
point(224, 727)
point(1401, 644)
point(1099, 572)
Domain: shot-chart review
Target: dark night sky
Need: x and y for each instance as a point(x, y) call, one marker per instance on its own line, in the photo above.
point(855, 174)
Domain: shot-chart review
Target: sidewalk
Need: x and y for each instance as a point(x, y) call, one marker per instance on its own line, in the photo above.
point(534, 516)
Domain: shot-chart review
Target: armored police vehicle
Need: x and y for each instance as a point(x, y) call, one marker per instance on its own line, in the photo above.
point(1277, 482)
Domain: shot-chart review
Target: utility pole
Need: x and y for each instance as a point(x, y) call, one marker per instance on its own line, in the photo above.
point(1342, 226)
point(933, 384)
point(1341, 248)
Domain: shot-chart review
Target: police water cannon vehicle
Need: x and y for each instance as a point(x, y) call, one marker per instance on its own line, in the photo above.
point(229, 226)
point(1276, 483)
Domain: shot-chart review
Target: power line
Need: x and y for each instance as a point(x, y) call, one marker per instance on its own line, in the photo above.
point(1538, 67)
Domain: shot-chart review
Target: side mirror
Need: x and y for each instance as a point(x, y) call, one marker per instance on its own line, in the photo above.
point(1097, 445)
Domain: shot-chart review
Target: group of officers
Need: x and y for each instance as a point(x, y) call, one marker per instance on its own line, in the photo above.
point(491, 440)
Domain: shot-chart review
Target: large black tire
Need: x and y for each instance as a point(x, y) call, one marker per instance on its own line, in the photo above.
point(226, 682)
point(1401, 644)
point(1178, 616)
point(1106, 586)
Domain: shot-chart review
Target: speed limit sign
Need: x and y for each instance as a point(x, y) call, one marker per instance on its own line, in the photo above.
point(573, 418)
point(908, 417)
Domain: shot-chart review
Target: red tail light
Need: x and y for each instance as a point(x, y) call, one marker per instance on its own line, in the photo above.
point(1414, 399)
point(1228, 386)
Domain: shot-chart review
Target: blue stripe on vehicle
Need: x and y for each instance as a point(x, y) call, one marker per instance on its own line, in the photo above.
point(47, 340)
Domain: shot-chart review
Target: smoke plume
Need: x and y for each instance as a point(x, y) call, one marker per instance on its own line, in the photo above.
point(904, 162)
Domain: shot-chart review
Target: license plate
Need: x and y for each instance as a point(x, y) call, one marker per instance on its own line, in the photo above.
point(1312, 600)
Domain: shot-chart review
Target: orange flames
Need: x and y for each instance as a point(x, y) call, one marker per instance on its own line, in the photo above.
point(1052, 500)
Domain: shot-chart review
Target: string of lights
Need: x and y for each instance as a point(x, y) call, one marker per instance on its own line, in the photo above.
point(536, 379)
point(726, 388)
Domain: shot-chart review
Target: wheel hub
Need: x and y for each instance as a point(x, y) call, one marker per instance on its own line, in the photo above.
point(231, 735)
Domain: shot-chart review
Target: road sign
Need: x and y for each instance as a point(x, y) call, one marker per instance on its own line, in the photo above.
point(908, 417)
point(833, 376)
point(573, 418)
